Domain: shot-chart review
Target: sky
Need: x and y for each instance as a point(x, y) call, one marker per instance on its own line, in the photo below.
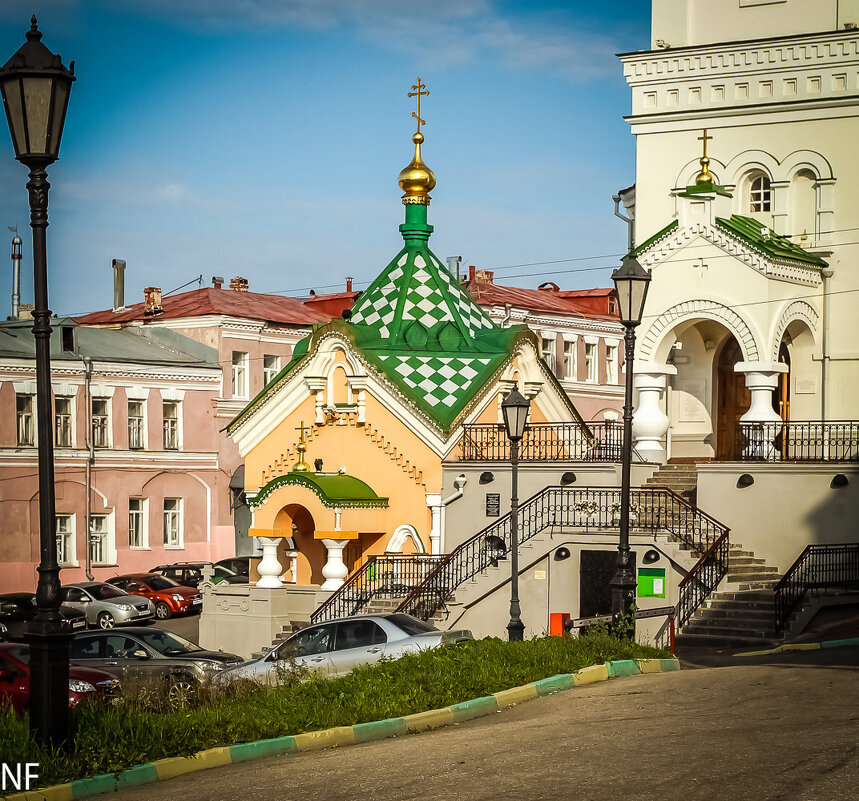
point(263, 138)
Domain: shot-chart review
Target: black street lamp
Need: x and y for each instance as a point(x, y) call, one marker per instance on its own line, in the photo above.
point(515, 409)
point(631, 282)
point(35, 87)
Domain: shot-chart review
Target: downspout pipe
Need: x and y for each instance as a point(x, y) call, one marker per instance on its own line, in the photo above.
point(826, 272)
point(459, 482)
point(630, 231)
point(89, 463)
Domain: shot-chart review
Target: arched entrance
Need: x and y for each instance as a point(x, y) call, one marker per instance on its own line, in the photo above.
point(295, 521)
point(732, 399)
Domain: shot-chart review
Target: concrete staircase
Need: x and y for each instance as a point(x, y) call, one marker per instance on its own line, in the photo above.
point(681, 477)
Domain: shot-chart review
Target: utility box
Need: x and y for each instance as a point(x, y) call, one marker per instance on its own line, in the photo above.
point(651, 582)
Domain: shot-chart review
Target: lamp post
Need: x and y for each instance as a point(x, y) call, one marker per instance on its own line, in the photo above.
point(515, 409)
point(35, 87)
point(631, 282)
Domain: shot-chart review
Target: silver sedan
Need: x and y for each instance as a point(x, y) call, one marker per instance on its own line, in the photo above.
point(336, 647)
point(107, 606)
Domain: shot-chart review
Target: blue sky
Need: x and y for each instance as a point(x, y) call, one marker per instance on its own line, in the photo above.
point(263, 138)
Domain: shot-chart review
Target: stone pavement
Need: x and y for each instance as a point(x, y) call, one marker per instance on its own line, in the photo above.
point(782, 730)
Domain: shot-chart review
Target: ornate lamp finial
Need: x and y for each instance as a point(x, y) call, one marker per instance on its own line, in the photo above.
point(705, 176)
point(301, 466)
point(417, 180)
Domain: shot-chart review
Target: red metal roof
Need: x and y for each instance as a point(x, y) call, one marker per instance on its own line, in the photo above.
point(592, 303)
point(209, 300)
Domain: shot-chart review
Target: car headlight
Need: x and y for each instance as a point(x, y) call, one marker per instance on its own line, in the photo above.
point(80, 686)
point(210, 667)
point(178, 598)
point(125, 607)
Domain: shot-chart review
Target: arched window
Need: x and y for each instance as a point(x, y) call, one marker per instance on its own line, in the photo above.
point(760, 194)
point(803, 191)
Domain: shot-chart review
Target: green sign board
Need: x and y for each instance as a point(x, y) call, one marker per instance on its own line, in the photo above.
point(651, 582)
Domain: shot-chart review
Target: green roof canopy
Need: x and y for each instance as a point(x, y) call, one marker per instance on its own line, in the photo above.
point(336, 491)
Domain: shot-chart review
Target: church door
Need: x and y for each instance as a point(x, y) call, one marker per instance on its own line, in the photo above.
point(733, 401)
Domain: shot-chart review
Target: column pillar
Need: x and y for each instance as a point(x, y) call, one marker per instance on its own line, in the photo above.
point(335, 570)
point(434, 504)
point(649, 422)
point(318, 386)
point(269, 567)
point(761, 423)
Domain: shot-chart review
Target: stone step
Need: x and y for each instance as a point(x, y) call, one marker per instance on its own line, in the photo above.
point(730, 630)
point(743, 617)
point(684, 641)
point(761, 606)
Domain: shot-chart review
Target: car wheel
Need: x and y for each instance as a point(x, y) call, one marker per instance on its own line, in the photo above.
point(162, 610)
point(105, 620)
point(180, 690)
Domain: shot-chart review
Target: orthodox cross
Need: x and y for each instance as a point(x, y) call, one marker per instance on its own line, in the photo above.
point(704, 139)
point(419, 93)
point(300, 429)
point(701, 266)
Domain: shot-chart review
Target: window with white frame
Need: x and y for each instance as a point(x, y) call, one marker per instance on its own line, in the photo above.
point(611, 364)
point(171, 425)
point(547, 350)
point(570, 359)
point(65, 540)
point(100, 422)
point(138, 536)
point(591, 361)
point(173, 523)
point(63, 422)
point(240, 374)
point(99, 539)
point(26, 423)
point(136, 425)
point(270, 368)
point(760, 194)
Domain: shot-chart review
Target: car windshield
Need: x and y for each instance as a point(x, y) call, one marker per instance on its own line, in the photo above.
point(410, 625)
point(102, 592)
point(223, 572)
point(20, 651)
point(161, 583)
point(167, 644)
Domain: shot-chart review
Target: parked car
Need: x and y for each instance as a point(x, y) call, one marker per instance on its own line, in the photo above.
point(190, 574)
point(17, 609)
point(240, 565)
point(168, 597)
point(336, 647)
point(107, 606)
point(15, 679)
point(145, 653)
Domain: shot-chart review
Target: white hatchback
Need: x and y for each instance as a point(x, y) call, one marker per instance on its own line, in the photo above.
point(336, 647)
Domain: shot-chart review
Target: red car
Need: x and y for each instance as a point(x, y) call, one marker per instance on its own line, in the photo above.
point(168, 597)
point(15, 679)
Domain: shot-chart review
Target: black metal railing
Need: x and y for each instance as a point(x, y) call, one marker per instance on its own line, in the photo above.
point(801, 441)
point(695, 587)
point(652, 509)
point(544, 442)
point(819, 567)
point(382, 576)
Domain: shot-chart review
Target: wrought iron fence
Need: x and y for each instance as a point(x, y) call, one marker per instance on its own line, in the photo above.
point(652, 509)
point(819, 567)
point(809, 441)
point(544, 442)
point(382, 576)
point(702, 579)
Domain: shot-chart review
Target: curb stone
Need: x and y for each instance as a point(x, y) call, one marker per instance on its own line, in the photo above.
point(803, 646)
point(350, 735)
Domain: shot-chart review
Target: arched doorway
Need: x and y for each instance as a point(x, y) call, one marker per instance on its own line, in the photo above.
point(733, 399)
point(296, 522)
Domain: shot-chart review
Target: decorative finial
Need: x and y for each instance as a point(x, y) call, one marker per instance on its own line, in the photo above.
point(705, 176)
point(301, 466)
point(34, 32)
point(417, 180)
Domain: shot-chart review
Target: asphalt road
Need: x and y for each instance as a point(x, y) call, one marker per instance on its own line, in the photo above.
point(784, 730)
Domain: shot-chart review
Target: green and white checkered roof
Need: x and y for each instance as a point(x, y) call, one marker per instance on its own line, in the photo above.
point(444, 382)
point(416, 287)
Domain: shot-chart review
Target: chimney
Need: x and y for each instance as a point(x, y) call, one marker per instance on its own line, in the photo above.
point(484, 276)
point(16, 275)
point(118, 284)
point(453, 263)
point(217, 281)
point(349, 284)
point(152, 301)
point(239, 284)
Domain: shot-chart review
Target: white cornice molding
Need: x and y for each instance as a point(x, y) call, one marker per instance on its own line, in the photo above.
point(573, 323)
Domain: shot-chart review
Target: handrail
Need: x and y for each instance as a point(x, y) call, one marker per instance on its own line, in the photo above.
point(654, 508)
point(696, 586)
point(566, 442)
point(798, 441)
point(379, 576)
point(819, 566)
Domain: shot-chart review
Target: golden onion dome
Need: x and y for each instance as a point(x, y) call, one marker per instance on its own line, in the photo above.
point(417, 180)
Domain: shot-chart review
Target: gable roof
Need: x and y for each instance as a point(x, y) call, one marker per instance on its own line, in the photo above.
point(578, 303)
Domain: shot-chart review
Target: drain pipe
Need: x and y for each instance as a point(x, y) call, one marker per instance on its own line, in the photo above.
point(630, 231)
point(826, 272)
point(89, 462)
point(459, 482)
point(508, 313)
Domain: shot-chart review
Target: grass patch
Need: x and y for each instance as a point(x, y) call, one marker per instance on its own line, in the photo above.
point(108, 739)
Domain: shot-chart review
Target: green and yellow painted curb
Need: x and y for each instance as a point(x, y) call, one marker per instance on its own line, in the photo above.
point(803, 646)
point(344, 735)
